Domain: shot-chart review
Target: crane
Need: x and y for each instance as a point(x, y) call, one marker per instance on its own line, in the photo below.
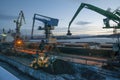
point(49, 24)
point(18, 42)
point(18, 22)
point(115, 16)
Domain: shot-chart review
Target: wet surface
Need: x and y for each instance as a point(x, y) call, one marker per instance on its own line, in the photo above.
point(16, 72)
point(60, 67)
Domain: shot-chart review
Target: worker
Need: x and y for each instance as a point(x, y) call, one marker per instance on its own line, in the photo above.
point(117, 52)
point(42, 45)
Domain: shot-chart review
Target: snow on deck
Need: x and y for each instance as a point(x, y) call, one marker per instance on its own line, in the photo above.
point(5, 75)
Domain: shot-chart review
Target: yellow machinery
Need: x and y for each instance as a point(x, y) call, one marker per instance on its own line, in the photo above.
point(42, 60)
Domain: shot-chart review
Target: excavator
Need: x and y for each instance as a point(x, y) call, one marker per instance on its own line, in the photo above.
point(114, 16)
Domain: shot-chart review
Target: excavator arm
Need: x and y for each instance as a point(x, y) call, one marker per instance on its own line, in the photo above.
point(109, 15)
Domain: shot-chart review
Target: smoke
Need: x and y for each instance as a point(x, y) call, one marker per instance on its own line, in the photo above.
point(7, 17)
point(82, 23)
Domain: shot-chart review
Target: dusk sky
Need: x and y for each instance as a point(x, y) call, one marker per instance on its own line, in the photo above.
point(87, 21)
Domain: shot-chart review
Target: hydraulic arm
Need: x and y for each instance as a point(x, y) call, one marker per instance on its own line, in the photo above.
point(110, 16)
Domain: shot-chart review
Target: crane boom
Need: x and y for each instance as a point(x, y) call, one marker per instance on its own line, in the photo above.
point(18, 41)
point(108, 14)
point(18, 22)
point(48, 23)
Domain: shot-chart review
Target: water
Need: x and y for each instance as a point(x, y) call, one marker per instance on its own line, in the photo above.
point(98, 40)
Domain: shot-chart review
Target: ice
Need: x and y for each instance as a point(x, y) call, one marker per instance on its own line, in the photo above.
point(5, 75)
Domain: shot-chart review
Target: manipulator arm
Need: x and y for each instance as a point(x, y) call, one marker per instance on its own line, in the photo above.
point(107, 23)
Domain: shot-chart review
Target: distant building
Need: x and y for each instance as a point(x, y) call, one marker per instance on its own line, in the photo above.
point(6, 37)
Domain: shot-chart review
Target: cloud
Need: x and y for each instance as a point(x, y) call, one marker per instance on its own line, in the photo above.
point(82, 23)
point(7, 17)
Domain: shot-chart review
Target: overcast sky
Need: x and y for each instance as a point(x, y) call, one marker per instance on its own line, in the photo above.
point(87, 21)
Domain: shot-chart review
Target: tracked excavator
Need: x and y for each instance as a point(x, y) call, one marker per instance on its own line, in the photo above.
point(114, 16)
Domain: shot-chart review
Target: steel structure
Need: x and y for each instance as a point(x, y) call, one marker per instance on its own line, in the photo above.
point(19, 22)
point(18, 42)
point(114, 16)
point(49, 24)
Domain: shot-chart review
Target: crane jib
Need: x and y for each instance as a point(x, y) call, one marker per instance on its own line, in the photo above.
point(108, 14)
